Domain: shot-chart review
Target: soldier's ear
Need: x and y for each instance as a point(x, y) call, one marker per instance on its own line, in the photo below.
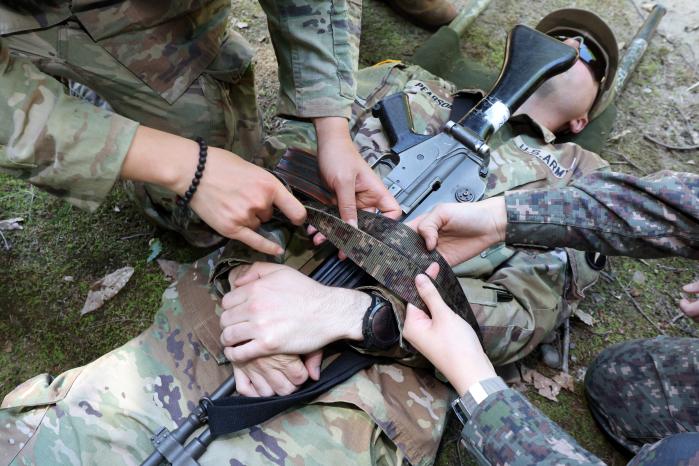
point(578, 124)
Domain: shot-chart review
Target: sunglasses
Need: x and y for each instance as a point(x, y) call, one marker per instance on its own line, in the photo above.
point(588, 57)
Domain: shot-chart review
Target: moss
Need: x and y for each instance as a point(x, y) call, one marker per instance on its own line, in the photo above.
point(43, 331)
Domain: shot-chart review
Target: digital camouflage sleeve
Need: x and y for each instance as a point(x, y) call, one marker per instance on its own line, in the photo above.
point(611, 213)
point(59, 143)
point(508, 429)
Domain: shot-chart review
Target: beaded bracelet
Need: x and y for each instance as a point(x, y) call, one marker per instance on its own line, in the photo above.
point(203, 152)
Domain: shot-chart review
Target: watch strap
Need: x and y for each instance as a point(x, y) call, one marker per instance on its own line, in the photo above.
point(466, 405)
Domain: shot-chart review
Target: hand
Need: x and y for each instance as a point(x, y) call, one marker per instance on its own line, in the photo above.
point(461, 231)
point(233, 197)
point(691, 307)
point(275, 309)
point(281, 374)
point(446, 339)
point(345, 172)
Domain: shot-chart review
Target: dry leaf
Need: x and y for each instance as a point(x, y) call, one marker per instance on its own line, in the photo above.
point(169, 268)
point(639, 277)
point(565, 381)
point(241, 25)
point(11, 224)
point(544, 386)
point(648, 6)
point(106, 288)
point(584, 317)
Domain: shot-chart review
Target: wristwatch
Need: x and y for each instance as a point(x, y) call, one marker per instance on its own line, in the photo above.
point(465, 406)
point(379, 327)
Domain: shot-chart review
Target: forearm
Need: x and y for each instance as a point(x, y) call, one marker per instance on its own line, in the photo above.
point(317, 48)
point(611, 213)
point(145, 162)
point(538, 440)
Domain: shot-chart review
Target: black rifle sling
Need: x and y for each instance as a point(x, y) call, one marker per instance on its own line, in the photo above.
point(238, 412)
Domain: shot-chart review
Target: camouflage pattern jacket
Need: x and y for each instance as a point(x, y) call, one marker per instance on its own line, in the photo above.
point(613, 213)
point(75, 151)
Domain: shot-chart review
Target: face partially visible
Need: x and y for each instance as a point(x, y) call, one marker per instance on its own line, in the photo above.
point(568, 97)
point(583, 78)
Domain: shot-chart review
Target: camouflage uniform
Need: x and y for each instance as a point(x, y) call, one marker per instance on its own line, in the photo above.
point(613, 213)
point(643, 393)
point(97, 413)
point(174, 66)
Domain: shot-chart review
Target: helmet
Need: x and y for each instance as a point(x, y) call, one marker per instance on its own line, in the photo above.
point(597, 36)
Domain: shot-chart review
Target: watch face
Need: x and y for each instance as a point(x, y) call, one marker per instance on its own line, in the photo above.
point(380, 327)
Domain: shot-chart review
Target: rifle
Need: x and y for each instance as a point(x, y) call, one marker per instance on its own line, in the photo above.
point(450, 165)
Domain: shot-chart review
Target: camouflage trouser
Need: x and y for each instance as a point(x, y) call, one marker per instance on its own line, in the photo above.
point(643, 391)
point(105, 413)
point(219, 106)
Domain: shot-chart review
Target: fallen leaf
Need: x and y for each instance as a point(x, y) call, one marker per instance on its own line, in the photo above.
point(169, 268)
point(648, 6)
point(106, 288)
point(68, 278)
point(580, 374)
point(584, 317)
point(639, 277)
point(241, 25)
point(544, 386)
point(8, 347)
point(635, 292)
point(565, 381)
point(156, 247)
point(11, 224)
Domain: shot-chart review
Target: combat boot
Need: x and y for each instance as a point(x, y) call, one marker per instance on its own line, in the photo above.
point(427, 13)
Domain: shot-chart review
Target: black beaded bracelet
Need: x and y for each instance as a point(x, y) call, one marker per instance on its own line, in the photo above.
point(203, 152)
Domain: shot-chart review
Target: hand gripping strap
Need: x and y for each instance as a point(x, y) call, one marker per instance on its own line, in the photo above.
point(393, 254)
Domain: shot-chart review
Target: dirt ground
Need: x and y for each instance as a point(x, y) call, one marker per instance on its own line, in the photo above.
point(47, 268)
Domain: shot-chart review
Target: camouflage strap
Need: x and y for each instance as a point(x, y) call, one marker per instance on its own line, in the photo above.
point(393, 254)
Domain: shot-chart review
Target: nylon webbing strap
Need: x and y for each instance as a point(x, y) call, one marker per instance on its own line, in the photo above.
point(393, 254)
point(237, 412)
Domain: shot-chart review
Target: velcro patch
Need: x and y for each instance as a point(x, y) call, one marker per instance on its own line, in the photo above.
point(549, 159)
